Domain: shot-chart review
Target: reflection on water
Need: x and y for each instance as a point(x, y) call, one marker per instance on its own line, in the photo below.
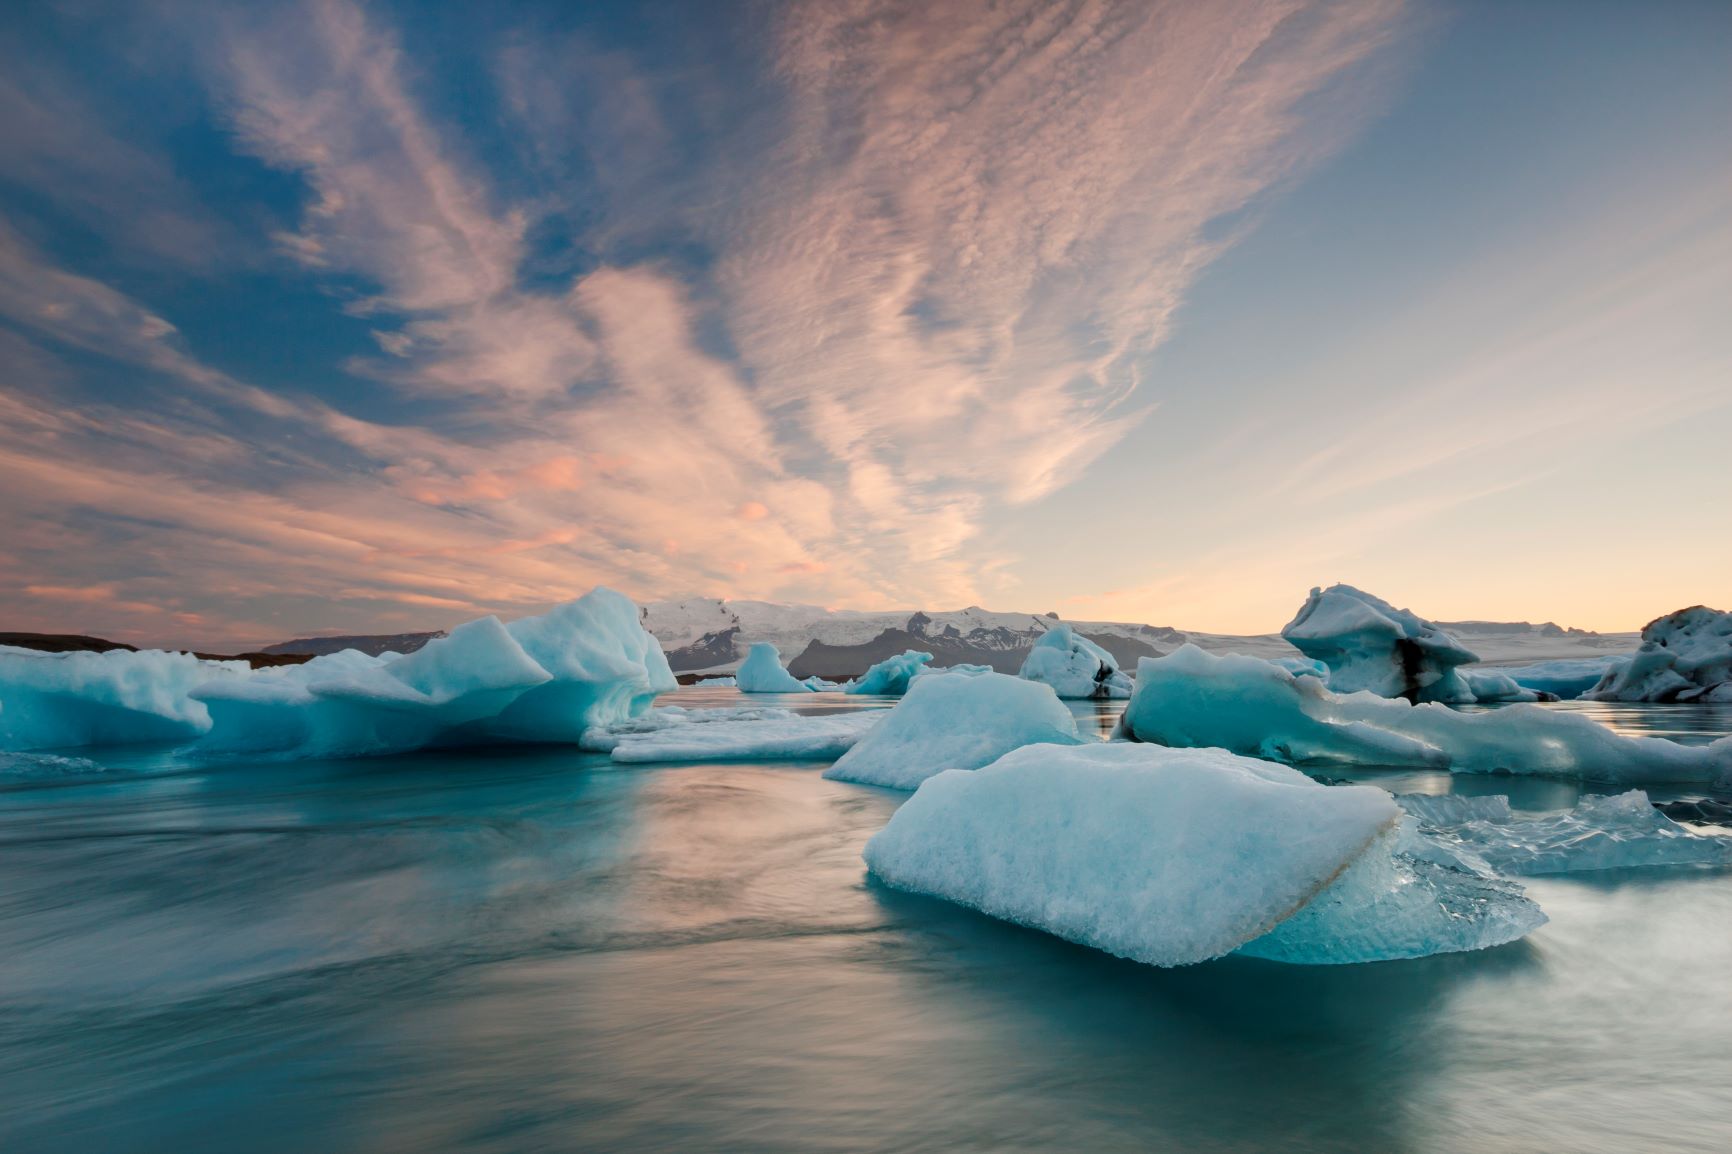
point(536, 950)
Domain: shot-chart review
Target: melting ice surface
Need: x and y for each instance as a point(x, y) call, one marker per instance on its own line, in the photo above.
point(536, 948)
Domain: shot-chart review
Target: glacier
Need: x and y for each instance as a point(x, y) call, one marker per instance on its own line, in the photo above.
point(1173, 857)
point(763, 672)
point(1074, 666)
point(891, 676)
point(955, 720)
point(1251, 706)
point(1685, 656)
point(1621, 831)
point(1370, 645)
point(54, 700)
point(539, 679)
point(673, 733)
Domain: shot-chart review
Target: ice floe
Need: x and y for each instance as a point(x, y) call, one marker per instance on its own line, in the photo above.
point(1370, 645)
point(1250, 706)
point(1565, 679)
point(50, 700)
point(1177, 856)
point(955, 720)
point(1618, 832)
point(1074, 666)
point(1685, 656)
point(677, 734)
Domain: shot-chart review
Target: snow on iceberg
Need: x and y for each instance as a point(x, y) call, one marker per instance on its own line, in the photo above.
point(1172, 857)
point(952, 720)
point(539, 679)
point(762, 672)
point(676, 734)
point(1250, 706)
point(1618, 832)
point(1074, 666)
point(1369, 644)
point(892, 675)
point(48, 700)
point(1685, 656)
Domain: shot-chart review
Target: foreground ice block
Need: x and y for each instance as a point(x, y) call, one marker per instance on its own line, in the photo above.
point(1177, 856)
point(48, 700)
point(763, 672)
point(540, 679)
point(1074, 666)
point(1685, 656)
point(1368, 644)
point(1624, 831)
point(955, 720)
point(675, 734)
point(892, 675)
point(1250, 706)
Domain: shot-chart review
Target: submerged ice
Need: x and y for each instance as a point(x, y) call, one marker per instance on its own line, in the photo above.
point(955, 719)
point(1177, 856)
point(1074, 666)
point(1250, 706)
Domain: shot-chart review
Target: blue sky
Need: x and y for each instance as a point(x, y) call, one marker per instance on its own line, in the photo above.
point(331, 316)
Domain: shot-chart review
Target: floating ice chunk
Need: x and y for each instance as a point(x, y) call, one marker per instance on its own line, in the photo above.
point(892, 675)
point(715, 681)
point(762, 672)
point(546, 678)
point(1565, 679)
point(1074, 666)
point(955, 721)
point(1496, 685)
point(820, 685)
point(1685, 656)
point(1600, 833)
point(675, 734)
point(1176, 856)
point(1369, 644)
point(48, 700)
point(1192, 698)
point(961, 670)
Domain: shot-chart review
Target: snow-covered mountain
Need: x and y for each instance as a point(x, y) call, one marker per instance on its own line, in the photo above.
point(706, 634)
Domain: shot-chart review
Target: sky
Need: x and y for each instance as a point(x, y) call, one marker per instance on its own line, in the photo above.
point(331, 316)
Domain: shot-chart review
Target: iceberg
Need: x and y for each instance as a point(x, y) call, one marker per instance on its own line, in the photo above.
point(952, 720)
point(1618, 832)
point(891, 676)
point(1370, 645)
point(715, 682)
point(676, 734)
point(540, 679)
point(53, 700)
point(1565, 679)
point(762, 672)
point(1074, 666)
point(1685, 656)
point(1252, 707)
point(1173, 857)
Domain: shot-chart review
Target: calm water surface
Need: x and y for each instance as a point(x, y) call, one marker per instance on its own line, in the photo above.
point(534, 950)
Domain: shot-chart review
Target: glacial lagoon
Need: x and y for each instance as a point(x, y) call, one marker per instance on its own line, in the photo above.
point(537, 949)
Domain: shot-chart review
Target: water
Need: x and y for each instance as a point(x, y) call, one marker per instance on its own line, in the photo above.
point(533, 950)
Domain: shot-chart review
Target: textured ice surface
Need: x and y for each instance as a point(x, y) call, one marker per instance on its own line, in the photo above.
point(676, 734)
point(540, 679)
point(1177, 856)
point(762, 672)
point(1250, 706)
point(1368, 644)
point(1074, 666)
point(1564, 679)
point(1685, 656)
point(955, 720)
point(892, 675)
point(49, 700)
point(1619, 832)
